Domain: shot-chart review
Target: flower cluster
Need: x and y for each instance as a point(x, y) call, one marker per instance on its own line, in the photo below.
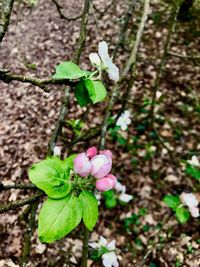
point(107, 251)
point(190, 200)
point(96, 165)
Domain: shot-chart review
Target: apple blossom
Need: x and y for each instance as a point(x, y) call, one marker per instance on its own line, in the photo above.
point(104, 61)
point(91, 152)
point(109, 259)
point(124, 120)
point(82, 165)
point(101, 165)
point(106, 183)
point(194, 161)
point(190, 200)
point(121, 189)
point(106, 152)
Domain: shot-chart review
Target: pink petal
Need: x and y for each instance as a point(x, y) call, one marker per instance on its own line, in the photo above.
point(91, 152)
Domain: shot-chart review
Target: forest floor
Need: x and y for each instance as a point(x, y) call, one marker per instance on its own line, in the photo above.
point(146, 231)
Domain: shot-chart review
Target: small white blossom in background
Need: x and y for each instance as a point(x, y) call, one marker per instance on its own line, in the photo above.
point(194, 161)
point(57, 151)
point(109, 259)
point(121, 189)
point(158, 94)
point(103, 61)
point(190, 200)
point(124, 120)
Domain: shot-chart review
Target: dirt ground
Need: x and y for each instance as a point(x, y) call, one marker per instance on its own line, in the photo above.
point(36, 41)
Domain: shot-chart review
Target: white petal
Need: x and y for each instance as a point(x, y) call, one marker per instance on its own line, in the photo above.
point(95, 59)
point(111, 245)
point(124, 126)
point(103, 242)
point(125, 197)
point(103, 51)
point(189, 199)
point(110, 259)
point(194, 211)
point(113, 72)
point(120, 188)
point(94, 245)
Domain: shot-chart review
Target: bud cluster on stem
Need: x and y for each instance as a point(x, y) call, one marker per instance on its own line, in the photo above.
point(97, 165)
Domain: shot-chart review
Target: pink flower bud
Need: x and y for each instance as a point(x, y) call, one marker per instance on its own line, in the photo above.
point(101, 165)
point(82, 165)
point(91, 152)
point(106, 152)
point(106, 183)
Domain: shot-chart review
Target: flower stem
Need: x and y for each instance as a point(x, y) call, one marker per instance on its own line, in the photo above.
point(85, 248)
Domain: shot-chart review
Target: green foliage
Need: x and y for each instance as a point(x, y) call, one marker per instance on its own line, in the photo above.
point(69, 70)
point(182, 214)
point(59, 217)
point(81, 93)
point(90, 208)
point(96, 90)
point(52, 176)
point(110, 199)
point(193, 171)
point(172, 201)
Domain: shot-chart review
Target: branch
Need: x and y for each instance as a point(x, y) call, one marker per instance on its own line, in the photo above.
point(129, 64)
point(159, 74)
point(16, 186)
point(19, 203)
point(28, 234)
point(7, 77)
point(5, 12)
point(128, 15)
point(183, 56)
point(62, 16)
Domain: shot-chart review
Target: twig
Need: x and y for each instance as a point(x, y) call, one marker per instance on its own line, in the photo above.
point(19, 203)
point(129, 64)
point(192, 57)
point(5, 12)
point(16, 186)
point(62, 16)
point(29, 232)
point(7, 77)
point(127, 17)
point(159, 73)
point(85, 247)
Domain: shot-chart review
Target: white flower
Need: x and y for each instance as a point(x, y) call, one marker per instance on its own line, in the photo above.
point(194, 161)
point(158, 94)
point(95, 59)
point(124, 120)
point(57, 151)
point(189, 199)
point(194, 211)
point(104, 61)
point(122, 190)
point(125, 197)
point(110, 259)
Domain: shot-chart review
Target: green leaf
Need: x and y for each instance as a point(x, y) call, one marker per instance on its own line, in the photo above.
point(58, 217)
point(182, 214)
point(110, 199)
point(51, 175)
point(68, 70)
point(97, 91)
point(194, 172)
point(171, 201)
point(81, 94)
point(90, 209)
